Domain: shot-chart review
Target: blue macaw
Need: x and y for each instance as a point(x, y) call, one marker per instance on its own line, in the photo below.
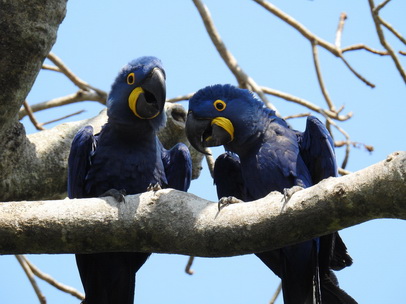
point(264, 154)
point(126, 157)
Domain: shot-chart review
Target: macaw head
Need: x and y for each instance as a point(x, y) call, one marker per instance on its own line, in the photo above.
point(223, 115)
point(138, 94)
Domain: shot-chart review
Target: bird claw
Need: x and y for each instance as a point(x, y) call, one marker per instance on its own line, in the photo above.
point(288, 192)
point(118, 195)
point(154, 187)
point(225, 201)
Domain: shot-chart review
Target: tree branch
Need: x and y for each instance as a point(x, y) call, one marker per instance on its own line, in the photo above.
point(170, 221)
point(36, 166)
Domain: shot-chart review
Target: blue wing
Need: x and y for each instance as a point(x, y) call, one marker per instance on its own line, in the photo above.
point(317, 150)
point(178, 166)
point(83, 144)
point(228, 178)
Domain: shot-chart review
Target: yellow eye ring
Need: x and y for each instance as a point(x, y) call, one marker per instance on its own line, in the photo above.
point(220, 105)
point(130, 78)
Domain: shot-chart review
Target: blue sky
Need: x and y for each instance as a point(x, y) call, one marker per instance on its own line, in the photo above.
point(98, 37)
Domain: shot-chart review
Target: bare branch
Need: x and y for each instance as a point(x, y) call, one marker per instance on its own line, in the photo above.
point(357, 47)
point(30, 275)
point(276, 294)
point(180, 98)
point(320, 77)
point(296, 116)
point(72, 77)
point(384, 43)
point(307, 104)
point(243, 79)
point(50, 280)
point(34, 121)
point(307, 34)
point(188, 269)
point(62, 118)
point(194, 226)
point(81, 95)
point(356, 73)
point(394, 32)
point(340, 28)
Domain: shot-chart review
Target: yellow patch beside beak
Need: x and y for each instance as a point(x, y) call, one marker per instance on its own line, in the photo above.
point(225, 124)
point(132, 102)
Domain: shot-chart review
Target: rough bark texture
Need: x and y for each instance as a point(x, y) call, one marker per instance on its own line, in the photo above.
point(37, 169)
point(34, 167)
point(170, 221)
point(28, 31)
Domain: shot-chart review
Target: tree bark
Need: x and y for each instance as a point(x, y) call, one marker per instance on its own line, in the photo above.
point(170, 221)
point(38, 168)
point(28, 32)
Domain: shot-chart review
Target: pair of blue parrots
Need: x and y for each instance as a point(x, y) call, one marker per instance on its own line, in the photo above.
point(263, 155)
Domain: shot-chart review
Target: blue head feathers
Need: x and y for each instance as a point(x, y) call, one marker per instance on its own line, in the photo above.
point(138, 94)
point(222, 115)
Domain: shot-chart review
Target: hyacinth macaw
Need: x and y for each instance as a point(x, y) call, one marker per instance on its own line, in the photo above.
point(126, 157)
point(264, 154)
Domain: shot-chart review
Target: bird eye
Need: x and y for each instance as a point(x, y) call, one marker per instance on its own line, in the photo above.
point(130, 78)
point(219, 105)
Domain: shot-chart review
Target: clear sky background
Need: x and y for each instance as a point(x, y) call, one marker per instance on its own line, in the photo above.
point(98, 37)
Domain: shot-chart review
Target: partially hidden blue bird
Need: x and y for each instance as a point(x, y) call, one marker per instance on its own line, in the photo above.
point(126, 157)
point(264, 154)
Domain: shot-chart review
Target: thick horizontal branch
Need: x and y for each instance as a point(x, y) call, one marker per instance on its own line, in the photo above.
point(170, 221)
point(35, 167)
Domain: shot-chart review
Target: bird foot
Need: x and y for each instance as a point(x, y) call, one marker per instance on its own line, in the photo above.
point(118, 195)
point(154, 188)
point(288, 192)
point(225, 201)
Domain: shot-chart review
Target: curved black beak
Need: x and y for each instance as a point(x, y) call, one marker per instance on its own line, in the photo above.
point(151, 102)
point(202, 133)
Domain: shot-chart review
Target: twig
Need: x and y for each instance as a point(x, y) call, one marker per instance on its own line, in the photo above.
point(276, 294)
point(320, 77)
point(340, 28)
point(47, 278)
point(381, 6)
point(357, 47)
point(394, 32)
point(243, 79)
point(72, 77)
point(356, 73)
point(28, 272)
point(210, 161)
point(63, 117)
point(379, 31)
point(34, 121)
point(180, 98)
point(307, 104)
point(305, 32)
point(51, 68)
point(296, 116)
point(188, 269)
point(343, 171)
point(80, 95)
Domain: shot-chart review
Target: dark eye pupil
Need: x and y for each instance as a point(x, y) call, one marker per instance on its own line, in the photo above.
point(130, 79)
point(220, 106)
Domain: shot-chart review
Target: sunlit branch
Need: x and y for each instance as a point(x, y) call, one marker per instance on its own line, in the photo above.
point(31, 278)
point(47, 278)
point(340, 29)
point(30, 114)
point(81, 95)
point(307, 104)
point(243, 79)
point(384, 43)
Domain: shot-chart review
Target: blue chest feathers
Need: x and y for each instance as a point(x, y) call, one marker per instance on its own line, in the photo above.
point(124, 162)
